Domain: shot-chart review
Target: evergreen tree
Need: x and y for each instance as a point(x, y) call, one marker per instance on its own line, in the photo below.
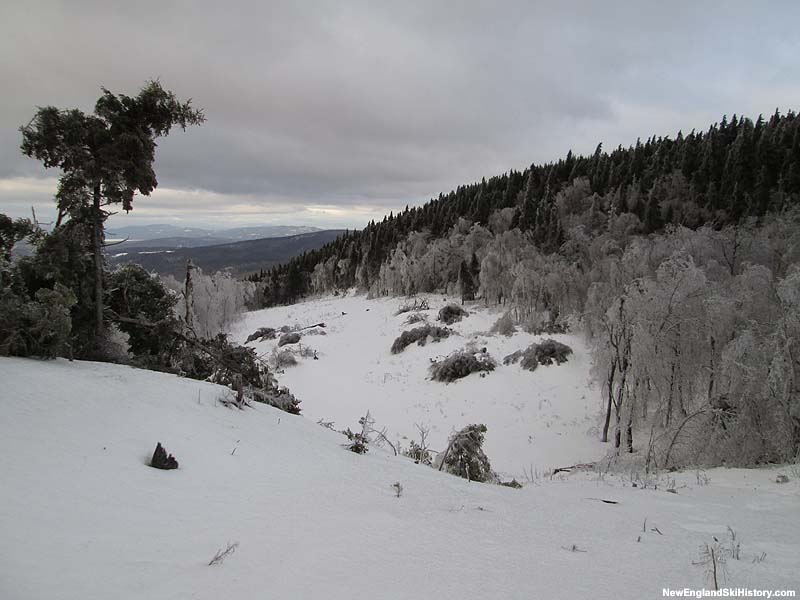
point(465, 457)
point(105, 158)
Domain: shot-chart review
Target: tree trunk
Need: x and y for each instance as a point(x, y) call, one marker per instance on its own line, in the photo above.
point(629, 428)
point(671, 396)
point(610, 384)
point(711, 369)
point(618, 405)
point(188, 295)
point(630, 437)
point(97, 251)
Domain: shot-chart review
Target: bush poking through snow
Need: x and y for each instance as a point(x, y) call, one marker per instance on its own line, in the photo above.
point(550, 351)
point(712, 557)
point(221, 554)
point(261, 334)
point(465, 457)
point(460, 364)
point(315, 330)
point(504, 326)
point(280, 398)
point(514, 357)
point(512, 484)
point(358, 442)
point(452, 313)
point(546, 353)
point(289, 338)
point(416, 317)
point(283, 358)
point(420, 453)
point(420, 335)
point(543, 323)
point(413, 304)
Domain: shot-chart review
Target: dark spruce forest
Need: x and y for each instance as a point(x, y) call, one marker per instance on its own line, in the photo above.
point(737, 169)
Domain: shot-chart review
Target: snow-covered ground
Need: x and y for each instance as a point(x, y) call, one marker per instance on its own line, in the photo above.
point(536, 421)
point(83, 517)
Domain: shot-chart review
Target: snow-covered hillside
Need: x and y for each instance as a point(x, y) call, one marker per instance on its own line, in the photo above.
point(83, 517)
point(536, 421)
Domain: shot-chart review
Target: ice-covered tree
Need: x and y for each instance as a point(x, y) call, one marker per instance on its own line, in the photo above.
point(465, 457)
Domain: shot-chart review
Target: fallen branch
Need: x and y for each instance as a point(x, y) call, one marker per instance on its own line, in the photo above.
point(570, 468)
point(221, 555)
point(677, 432)
point(191, 340)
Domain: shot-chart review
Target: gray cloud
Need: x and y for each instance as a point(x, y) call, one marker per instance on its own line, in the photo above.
point(364, 107)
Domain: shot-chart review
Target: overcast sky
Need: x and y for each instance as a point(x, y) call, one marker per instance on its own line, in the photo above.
point(333, 113)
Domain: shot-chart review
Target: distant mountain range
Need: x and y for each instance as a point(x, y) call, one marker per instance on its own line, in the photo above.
point(240, 257)
point(171, 236)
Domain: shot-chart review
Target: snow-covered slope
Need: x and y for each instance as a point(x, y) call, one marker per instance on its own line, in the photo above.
point(83, 517)
point(536, 421)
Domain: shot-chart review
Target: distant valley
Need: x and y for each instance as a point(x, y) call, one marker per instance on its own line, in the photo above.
point(163, 256)
point(172, 236)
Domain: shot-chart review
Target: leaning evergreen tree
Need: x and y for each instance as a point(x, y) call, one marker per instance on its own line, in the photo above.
point(105, 158)
point(465, 457)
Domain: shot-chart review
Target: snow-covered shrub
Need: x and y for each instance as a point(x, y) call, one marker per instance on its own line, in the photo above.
point(460, 364)
point(452, 313)
point(279, 397)
point(420, 335)
point(550, 351)
point(315, 331)
point(261, 334)
point(465, 457)
point(512, 484)
point(546, 353)
point(307, 352)
point(418, 454)
point(359, 442)
point(416, 317)
point(283, 358)
point(542, 323)
point(504, 326)
point(289, 338)
point(415, 304)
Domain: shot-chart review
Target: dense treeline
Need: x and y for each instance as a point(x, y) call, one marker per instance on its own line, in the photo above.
point(736, 169)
